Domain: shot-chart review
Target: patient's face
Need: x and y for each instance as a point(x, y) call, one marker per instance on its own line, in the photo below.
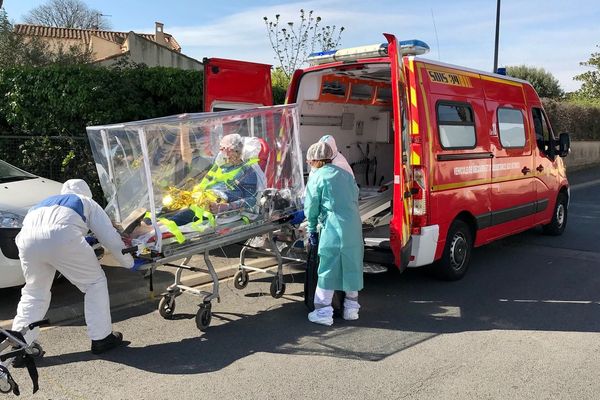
point(231, 156)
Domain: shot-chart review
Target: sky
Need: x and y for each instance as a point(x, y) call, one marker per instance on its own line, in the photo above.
point(552, 34)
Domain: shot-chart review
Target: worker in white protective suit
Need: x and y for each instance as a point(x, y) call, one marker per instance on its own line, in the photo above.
point(338, 158)
point(332, 201)
point(53, 239)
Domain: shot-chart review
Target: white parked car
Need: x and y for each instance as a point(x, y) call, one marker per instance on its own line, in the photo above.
point(19, 191)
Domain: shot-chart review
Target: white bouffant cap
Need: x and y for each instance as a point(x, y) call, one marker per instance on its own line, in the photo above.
point(319, 151)
point(232, 141)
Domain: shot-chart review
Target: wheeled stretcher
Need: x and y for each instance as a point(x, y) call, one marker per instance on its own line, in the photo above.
point(166, 307)
point(13, 345)
point(183, 185)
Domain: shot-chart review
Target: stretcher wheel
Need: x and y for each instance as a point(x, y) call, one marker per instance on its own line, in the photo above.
point(36, 350)
point(166, 307)
point(203, 316)
point(5, 386)
point(276, 290)
point(240, 280)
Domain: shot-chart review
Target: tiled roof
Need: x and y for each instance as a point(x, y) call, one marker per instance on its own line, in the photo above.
point(85, 34)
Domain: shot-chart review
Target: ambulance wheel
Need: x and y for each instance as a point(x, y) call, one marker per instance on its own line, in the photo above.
point(203, 316)
point(240, 280)
point(455, 260)
point(559, 219)
point(276, 290)
point(166, 307)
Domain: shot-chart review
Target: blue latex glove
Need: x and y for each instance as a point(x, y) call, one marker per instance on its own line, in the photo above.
point(138, 263)
point(91, 240)
point(313, 239)
point(297, 217)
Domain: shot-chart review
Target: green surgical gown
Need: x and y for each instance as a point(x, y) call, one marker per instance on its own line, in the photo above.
point(332, 200)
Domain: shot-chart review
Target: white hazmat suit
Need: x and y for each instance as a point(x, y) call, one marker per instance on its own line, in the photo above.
point(53, 239)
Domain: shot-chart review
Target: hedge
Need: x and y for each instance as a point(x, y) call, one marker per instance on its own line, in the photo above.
point(582, 121)
point(60, 101)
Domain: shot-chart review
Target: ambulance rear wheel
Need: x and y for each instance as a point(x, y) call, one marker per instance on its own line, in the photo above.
point(455, 260)
point(559, 219)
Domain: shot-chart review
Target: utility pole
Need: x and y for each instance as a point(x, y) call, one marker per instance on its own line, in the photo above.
point(497, 37)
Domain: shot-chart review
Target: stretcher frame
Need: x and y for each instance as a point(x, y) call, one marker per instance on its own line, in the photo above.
point(166, 306)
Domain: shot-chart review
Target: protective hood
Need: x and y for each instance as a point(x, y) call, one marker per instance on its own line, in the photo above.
point(331, 142)
point(76, 186)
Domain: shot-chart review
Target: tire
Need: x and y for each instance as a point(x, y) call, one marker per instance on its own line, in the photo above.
point(275, 290)
point(455, 259)
point(203, 316)
point(240, 280)
point(559, 218)
point(166, 307)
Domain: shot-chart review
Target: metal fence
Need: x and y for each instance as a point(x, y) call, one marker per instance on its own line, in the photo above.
point(54, 157)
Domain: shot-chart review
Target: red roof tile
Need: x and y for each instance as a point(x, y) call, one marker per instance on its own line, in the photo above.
point(85, 34)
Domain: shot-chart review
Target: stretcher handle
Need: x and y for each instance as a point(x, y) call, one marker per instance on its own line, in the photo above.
point(130, 250)
point(34, 325)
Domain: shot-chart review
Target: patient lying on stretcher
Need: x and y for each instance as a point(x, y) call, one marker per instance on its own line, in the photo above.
point(228, 192)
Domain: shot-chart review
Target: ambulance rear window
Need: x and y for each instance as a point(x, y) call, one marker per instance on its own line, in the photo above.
point(456, 125)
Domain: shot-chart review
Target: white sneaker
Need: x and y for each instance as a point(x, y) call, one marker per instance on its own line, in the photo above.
point(350, 314)
point(318, 319)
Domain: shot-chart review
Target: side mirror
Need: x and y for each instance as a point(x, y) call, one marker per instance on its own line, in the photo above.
point(564, 144)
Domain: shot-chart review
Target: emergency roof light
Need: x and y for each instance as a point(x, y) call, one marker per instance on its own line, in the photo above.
point(407, 47)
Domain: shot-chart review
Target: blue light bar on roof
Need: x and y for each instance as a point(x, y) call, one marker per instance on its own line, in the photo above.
point(407, 47)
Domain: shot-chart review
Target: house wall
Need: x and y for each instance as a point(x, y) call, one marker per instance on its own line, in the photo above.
point(154, 55)
point(103, 48)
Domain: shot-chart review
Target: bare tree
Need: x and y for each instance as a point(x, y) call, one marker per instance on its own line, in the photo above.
point(67, 14)
point(293, 43)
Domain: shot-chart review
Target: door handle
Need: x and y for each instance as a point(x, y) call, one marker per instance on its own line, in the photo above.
point(525, 170)
point(540, 168)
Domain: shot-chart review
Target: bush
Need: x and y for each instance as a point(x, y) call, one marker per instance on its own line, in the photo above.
point(581, 119)
point(53, 105)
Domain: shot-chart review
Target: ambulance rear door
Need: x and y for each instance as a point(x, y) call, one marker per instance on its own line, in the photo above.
point(400, 224)
point(234, 85)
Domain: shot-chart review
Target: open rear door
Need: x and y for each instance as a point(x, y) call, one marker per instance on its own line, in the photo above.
point(400, 224)
point(234, 85)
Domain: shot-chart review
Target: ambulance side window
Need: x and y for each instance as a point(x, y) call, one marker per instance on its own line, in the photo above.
point(511, 127)
point(456, 125)
point(543, 135)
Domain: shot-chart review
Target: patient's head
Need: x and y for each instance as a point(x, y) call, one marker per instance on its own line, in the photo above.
point(231, 147)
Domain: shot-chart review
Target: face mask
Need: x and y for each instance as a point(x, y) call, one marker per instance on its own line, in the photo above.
point(220, 159)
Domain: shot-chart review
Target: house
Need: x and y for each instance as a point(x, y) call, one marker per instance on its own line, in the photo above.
point(109, 47)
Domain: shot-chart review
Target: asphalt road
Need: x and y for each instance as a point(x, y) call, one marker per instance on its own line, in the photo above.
point(524, 323)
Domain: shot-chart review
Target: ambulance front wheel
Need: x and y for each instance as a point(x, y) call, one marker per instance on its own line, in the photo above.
point(459, 244)
point(559, 219)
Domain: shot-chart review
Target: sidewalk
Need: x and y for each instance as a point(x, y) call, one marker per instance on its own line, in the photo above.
point(127, 287)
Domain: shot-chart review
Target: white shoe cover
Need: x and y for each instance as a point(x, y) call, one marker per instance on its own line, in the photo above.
point(318, 319)
point(350, 314)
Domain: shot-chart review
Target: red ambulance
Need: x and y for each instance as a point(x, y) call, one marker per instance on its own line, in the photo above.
point(456, 158)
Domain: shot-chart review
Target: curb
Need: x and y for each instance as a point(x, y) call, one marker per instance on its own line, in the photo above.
point(140, 293)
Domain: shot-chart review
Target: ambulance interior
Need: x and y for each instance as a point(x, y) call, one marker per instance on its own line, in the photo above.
point(354, 105)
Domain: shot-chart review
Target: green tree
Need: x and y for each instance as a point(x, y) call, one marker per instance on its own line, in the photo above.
point(590, 87)
point(542, 81)
point(17, 50)
point(293, 42)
